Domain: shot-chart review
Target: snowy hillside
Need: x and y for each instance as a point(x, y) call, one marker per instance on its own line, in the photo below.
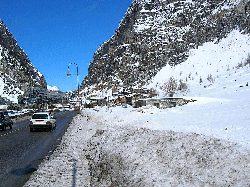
point(204, 143)
point(211, 65)
point(12, 93)
point(17, 73)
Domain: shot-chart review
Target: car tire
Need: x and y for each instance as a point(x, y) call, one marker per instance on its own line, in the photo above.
point(10, 126)
point(4, 128)
point(31, 130)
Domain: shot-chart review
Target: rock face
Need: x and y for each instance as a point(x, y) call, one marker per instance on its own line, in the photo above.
point(154, 33)
point(16, 70)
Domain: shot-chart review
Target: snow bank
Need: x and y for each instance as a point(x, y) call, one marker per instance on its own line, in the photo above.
point(67, 165)
point(111, 147)
point(127, 156)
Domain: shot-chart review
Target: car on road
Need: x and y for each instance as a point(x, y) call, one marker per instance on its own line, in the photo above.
point(43, 121)
point(5, 120)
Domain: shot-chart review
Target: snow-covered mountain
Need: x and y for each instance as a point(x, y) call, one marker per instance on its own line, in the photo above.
point(17, 73)
point(158, 33)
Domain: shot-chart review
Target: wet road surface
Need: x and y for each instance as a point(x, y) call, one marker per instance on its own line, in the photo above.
point(21, 151)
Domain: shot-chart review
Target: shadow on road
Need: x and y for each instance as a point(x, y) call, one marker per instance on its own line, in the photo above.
point(74, 172)
point(23, 171)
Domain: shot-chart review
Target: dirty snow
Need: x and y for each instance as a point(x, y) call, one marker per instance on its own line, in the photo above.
point(204, 143)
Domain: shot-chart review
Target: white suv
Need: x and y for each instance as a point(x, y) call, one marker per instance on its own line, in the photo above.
point(42, 120)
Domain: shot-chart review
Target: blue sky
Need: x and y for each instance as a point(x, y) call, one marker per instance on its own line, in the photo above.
point(54, 33)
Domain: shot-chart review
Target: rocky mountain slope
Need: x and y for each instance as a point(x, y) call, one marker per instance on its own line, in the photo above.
point(17, 73)
point(154, 33)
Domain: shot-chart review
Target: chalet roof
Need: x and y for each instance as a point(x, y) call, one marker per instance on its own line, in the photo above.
point(96, 98)
point(158, 99)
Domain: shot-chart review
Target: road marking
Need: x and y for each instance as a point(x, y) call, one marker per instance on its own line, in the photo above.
point(12, 131)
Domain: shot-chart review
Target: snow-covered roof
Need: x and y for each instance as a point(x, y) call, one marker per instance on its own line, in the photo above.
point(96, 98)
point(52, 88)
point(3, 107)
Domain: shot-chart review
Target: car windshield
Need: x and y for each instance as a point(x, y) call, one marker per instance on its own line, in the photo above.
point(40, 116)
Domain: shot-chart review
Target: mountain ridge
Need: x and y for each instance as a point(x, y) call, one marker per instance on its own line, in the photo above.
point(155, 33)
point(17, 73)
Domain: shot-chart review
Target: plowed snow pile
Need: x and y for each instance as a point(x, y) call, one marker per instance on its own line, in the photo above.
point(142, 157)
point(100, 148)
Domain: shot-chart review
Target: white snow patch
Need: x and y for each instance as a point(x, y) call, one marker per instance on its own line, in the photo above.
point(210, 60)
point(13, 96)
point(52, 88)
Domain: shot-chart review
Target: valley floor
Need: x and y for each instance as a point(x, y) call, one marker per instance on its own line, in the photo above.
point(205, 143)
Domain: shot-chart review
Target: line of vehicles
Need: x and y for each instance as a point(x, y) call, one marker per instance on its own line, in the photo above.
point(38, 121)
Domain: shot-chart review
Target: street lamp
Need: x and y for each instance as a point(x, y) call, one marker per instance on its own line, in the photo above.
point(68, 74)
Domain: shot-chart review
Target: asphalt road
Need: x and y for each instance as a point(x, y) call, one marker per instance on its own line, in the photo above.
point(21, 151)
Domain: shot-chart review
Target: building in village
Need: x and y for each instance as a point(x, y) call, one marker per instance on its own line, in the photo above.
point(136, 98)
point(162, 103)
point(120, 97)
point(40, 97)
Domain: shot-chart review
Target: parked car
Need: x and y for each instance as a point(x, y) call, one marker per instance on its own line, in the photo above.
point(12, 113)
point(42, 120)
point(5, 121)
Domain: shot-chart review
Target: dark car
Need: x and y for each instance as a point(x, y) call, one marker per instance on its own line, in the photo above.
point(5, 121)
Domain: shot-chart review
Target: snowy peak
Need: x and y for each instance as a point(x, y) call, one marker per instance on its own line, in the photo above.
point(154, 33)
